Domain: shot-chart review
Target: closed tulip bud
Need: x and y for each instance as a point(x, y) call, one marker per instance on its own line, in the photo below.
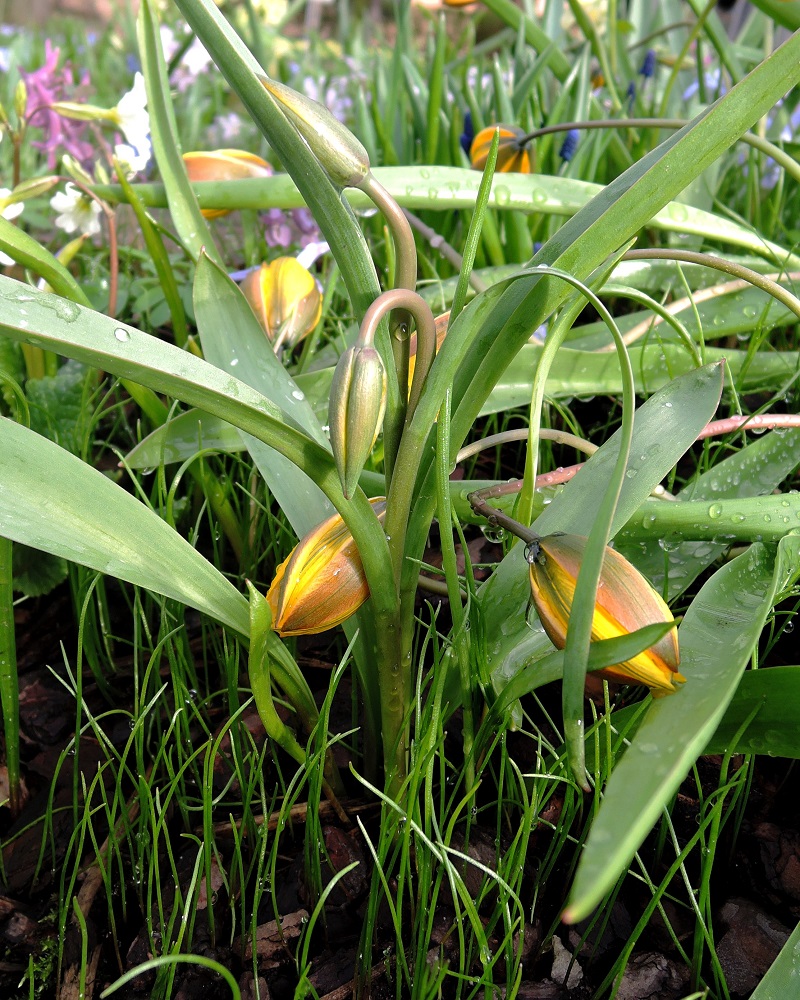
point(20, 100)
point(286, 299)
point(355, 412)
point(513, 155)
point(337, 149)
point(625, 602)
point(29, 189)
point(322, 582)
point(224, 165)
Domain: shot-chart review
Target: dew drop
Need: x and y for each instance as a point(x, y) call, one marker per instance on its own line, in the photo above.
point(715, 510)
point(122, 335)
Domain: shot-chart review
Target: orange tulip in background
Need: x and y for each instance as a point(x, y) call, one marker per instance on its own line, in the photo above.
point(224, 165)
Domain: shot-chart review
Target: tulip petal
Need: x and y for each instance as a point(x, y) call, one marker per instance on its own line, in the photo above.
point(625, 602)
point(322, 582)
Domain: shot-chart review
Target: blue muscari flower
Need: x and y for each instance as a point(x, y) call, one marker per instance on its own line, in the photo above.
point(631, 93)
point(649, 64)
point(569, 145)
point(468, 134)
point(133, 64)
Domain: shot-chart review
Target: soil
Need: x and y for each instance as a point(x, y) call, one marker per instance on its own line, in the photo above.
point(756, 889)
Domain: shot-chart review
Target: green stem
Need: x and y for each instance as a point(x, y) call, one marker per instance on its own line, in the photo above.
point(405, 278)
point(9, 682)
point(460, 638)
point(590, 32)
point(690, 38)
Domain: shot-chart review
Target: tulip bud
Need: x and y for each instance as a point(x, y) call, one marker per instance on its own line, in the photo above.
point(625, 602)
point(28, 189)
point(286, 300)
point(355, 412)
point(20, 100)
point(224, 165)
point(75, 170)
point(337, 149)
point(322, 582)
point(82, 112)
point(513, 156)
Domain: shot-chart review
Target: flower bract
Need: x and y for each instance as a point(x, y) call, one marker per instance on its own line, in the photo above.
point(625, 602)
point(322, 582)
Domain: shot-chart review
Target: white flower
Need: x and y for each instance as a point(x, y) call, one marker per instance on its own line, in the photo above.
point(78, 212)
point(11, 211)
point(131, 115)
point(8, 212)
point(133, 160)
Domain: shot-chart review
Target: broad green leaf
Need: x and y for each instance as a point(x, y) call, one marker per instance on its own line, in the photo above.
point(717, 638)
point(36, 572)
point(780, 980)
point(26, 251)
point(743, 519)
point(233, 340)
point(183, 436)
point(443, 189)
point(90, 520)
point(665, 426)
point(753, 471)
point(58, 405)
point(737, 314)
point(129, 353)
point(785, 12)
point(583, 373)
point(770, 699)
point(762, 717)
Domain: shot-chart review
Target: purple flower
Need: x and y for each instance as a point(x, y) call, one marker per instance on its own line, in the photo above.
point(569, 145)
point(45, 86)
point(649, 65)
point(468, 134)
point(285, 229)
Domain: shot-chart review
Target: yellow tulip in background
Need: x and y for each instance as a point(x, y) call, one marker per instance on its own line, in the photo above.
point(322, 582)
point(625, 603)
point(224, 165)
point(286, 299)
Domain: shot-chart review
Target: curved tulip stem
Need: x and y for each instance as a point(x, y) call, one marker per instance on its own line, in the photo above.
point(405, 278)
point(766, 284)
point(408, 301)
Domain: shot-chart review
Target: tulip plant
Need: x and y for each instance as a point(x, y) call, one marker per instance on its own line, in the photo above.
point(362, 530)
